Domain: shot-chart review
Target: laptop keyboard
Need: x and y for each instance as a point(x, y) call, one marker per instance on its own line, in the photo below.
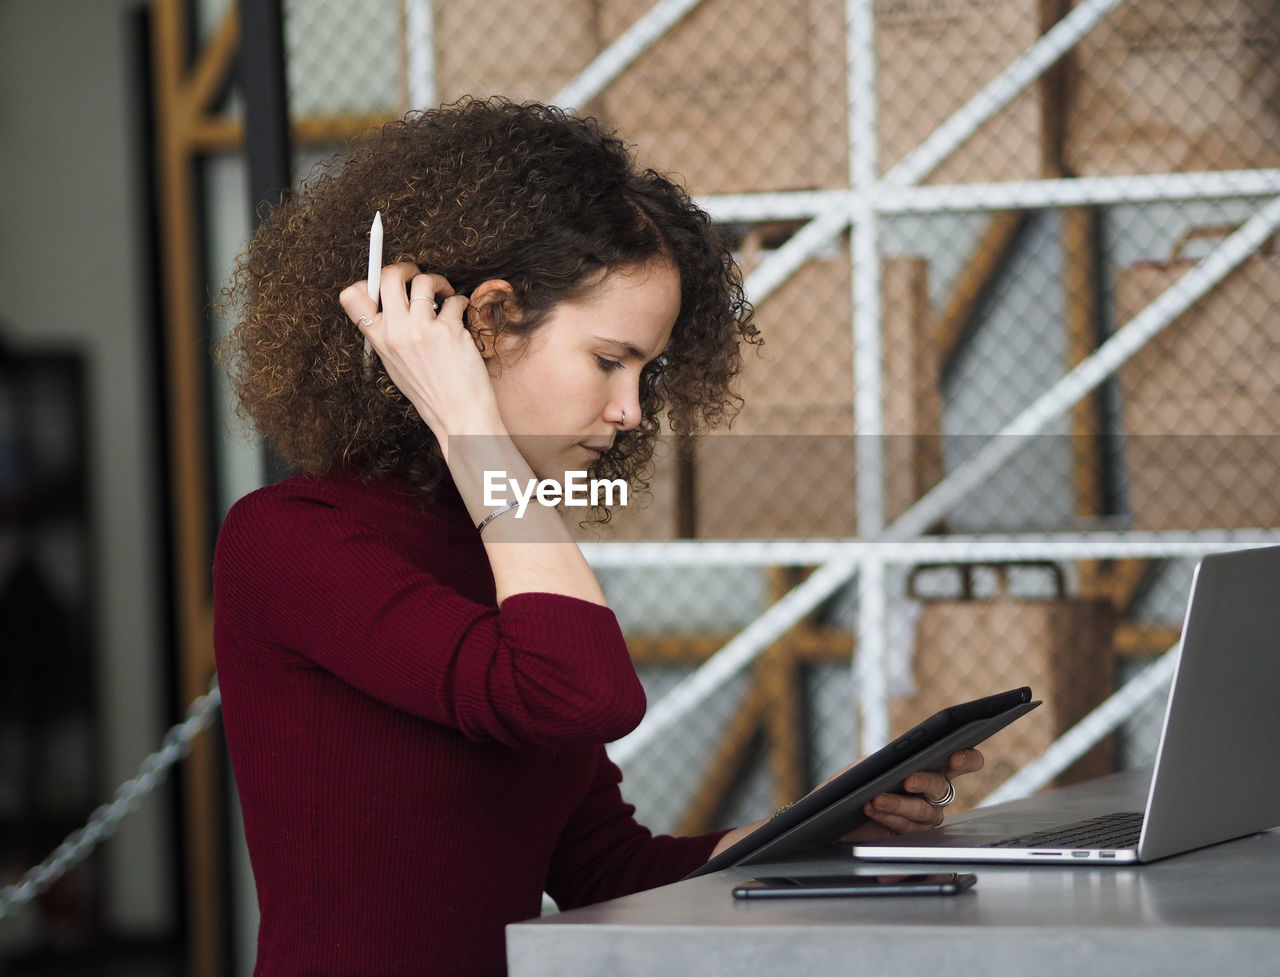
point(1119, 830)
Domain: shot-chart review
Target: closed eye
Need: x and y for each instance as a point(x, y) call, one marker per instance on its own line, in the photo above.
point(607, 365)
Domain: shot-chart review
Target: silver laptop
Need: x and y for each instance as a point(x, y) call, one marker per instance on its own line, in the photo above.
point(1214, 774)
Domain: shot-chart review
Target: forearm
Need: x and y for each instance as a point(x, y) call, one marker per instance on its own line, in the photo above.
point(531, 550)
point(735, 835)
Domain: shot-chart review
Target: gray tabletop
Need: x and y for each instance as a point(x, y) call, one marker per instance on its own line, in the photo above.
point(1211, 912)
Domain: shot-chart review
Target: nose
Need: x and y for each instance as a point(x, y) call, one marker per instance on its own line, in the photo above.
point(624, 407)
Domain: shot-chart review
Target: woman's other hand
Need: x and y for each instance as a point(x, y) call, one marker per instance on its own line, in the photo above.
point(917, 807)
point(893, 814)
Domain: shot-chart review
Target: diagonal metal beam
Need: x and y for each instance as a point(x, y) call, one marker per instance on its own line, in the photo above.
point(1077, 741)
point(1022, 71)
point(613, 60)
point(807, 242)
point(736, 655)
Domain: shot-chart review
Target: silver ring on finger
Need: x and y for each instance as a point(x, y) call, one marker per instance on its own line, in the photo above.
point(946, 798)
point(435, 306)
point(366, 320)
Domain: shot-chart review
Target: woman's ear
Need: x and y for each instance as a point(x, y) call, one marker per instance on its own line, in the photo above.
point(493, 305)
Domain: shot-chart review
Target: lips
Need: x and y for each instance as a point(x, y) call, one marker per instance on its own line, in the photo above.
point(596, 449)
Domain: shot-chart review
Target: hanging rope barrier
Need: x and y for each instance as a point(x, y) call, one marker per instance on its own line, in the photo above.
point(128, 797)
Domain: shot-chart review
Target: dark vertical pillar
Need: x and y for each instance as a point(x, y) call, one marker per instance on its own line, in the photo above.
point(266, 100)
point(266, 111)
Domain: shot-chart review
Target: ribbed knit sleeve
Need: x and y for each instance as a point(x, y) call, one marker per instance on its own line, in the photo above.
point(327, 575)
point(604, 853)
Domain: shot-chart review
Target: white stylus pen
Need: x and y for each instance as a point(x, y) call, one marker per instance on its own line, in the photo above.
point(375, 267)
point(375, 256)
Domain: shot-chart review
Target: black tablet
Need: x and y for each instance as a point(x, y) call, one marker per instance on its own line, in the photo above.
point(825, 815)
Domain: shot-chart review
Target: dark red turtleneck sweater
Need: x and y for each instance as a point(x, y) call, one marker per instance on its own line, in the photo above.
point(415, 767)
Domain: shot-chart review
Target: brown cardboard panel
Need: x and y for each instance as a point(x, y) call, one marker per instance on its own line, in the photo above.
point(1166, 86)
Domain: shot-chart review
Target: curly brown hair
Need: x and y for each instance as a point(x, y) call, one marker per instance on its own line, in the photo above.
point(475, 190)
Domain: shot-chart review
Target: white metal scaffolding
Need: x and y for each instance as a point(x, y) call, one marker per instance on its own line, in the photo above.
point(857, 212)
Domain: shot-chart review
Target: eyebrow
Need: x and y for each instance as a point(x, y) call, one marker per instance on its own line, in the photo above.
point(626, 348)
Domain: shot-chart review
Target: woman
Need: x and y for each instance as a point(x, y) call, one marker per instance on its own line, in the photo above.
point(417, 685)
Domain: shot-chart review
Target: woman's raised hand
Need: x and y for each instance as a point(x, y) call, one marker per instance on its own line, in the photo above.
point(426, 349)
point(431, 356)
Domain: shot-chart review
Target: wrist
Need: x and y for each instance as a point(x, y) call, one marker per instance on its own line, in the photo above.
point(478, 432)
point(499, 511)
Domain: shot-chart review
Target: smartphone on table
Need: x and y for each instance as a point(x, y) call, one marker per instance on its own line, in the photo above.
point(806, 886)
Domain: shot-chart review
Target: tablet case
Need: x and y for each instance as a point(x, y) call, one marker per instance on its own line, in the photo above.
point(829, 812)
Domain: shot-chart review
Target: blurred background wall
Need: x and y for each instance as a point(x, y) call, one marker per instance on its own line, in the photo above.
point(75, 263)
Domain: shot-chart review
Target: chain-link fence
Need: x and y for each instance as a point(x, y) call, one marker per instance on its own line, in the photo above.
point(1011, 257)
